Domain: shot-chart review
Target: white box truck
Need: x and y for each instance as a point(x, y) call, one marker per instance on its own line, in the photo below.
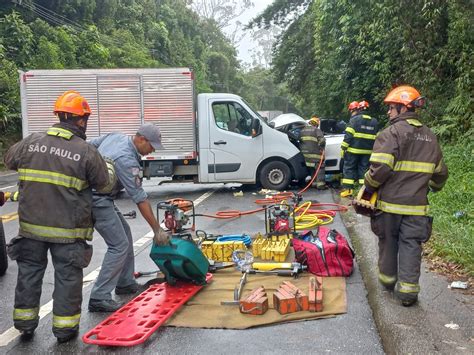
point(209, 138)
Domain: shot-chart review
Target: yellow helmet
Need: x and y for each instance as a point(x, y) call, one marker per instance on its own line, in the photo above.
point(314, 121)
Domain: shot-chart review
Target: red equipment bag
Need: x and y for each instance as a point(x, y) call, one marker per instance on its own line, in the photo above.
point(329, 254)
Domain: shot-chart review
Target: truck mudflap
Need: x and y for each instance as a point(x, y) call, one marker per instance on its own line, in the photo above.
point(298, 166)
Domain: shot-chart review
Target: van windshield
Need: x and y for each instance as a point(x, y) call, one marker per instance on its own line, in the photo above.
point(254, 112)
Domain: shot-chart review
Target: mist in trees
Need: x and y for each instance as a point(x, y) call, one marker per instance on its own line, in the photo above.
point(332, 52)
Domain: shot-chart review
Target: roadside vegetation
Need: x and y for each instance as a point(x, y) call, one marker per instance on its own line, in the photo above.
point(453, 211)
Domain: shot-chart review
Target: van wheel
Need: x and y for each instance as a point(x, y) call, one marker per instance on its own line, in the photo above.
point(275, 175)
point(3, 251)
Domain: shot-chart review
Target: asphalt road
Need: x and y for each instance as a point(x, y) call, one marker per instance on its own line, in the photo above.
point(353, 332)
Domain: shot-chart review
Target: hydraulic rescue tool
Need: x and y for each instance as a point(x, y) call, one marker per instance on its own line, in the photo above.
point(176, 217)
point(280, 269)
point(364, 203)
point(237, 291)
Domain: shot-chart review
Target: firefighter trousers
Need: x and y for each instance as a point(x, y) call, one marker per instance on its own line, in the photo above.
point(69, 260)
point(320, 179)
point(118, 265)
point(355, 166)
point(400, 239)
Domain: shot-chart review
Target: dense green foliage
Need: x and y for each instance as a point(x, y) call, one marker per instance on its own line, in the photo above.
point(335, 52)
point(453, 208)
point(108, 34)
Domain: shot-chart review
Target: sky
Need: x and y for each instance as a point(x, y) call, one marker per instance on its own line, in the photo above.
point(246, 44)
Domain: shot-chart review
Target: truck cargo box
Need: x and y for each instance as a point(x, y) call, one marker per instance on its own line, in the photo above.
point(121, 100)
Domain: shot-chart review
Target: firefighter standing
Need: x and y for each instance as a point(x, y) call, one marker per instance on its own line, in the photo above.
point(357, 146)
point(406, 162)
point(312, 146)
point(57, 170)
point(123, 155)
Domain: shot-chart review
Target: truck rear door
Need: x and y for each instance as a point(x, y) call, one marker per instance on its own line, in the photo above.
point(234, 154)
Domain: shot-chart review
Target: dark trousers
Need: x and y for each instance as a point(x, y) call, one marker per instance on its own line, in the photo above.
point(400, 239)
point(355, 166)
point(69, 261)
point(320, 179)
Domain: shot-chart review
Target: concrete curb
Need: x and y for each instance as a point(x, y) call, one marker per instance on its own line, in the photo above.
point(419, 329)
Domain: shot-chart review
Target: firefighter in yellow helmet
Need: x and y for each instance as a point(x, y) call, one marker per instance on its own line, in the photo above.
point(312, 146)
point(57, 170)
point(405, 164)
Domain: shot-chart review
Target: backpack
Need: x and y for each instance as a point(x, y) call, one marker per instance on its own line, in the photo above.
point(328, 254)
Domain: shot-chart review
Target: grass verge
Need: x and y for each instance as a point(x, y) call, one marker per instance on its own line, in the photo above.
point(453, 210)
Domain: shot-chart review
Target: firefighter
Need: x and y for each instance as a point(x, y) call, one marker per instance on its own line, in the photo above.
point(406, 163)
point(357, 146)
point(57, 171)
point(123, 156)
point(312, 146)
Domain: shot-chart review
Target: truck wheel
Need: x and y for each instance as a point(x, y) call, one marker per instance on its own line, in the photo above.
point(3, 251)
point(275, 175)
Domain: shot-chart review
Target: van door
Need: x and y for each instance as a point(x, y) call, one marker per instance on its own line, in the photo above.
point(234, 153)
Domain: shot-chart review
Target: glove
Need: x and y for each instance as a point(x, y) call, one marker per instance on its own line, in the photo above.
point(342, 153)
point(161, 237)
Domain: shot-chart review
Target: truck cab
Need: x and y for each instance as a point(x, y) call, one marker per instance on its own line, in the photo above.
point(235, 143)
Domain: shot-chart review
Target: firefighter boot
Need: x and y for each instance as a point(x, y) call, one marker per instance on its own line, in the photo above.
point(347, 193)
point(407, 293)
point(387, 281)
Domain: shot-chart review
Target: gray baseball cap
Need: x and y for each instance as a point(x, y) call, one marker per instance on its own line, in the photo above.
point(152, 134)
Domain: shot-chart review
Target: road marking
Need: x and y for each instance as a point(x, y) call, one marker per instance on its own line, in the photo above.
point(9, 217)
point(11, 334)
point(8, 187)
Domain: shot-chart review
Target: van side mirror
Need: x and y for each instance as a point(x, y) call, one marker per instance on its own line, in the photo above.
point(256, 127)
point(271, 124)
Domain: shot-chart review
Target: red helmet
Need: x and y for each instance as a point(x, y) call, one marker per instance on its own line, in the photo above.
point(354, 105)
point(363, 105)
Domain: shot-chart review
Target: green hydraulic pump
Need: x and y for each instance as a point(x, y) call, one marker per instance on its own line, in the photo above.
point(181, 259)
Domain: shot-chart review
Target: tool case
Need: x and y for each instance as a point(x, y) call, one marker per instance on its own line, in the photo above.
point(181, 260)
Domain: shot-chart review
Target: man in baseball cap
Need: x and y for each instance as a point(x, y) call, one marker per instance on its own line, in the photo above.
point(123, 156)
point(152, 135)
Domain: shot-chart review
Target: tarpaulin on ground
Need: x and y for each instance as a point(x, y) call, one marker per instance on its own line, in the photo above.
point(204, 310)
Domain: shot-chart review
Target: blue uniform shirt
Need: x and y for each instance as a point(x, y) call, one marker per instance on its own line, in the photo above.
point(120, 148)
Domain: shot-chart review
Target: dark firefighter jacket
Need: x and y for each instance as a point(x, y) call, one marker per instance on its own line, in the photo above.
point(406, 161)
point(56, 171)
point(360, 134)
point(312, 144)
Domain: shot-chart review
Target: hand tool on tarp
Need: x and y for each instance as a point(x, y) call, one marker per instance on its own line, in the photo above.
point(280, 269)
point(237, 291)
point(219, 265)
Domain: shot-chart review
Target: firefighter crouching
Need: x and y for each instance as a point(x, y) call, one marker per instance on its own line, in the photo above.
point(406, 162)
point(57, 170)
point(312, 146)
point(357, 146)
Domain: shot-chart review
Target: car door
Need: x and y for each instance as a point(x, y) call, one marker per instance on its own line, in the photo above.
point(235, 154)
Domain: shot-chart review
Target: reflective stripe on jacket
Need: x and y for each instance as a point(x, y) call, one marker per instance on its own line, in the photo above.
point(312, 144)
point(56, 171)
point(406, 160)
point(360, 135)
